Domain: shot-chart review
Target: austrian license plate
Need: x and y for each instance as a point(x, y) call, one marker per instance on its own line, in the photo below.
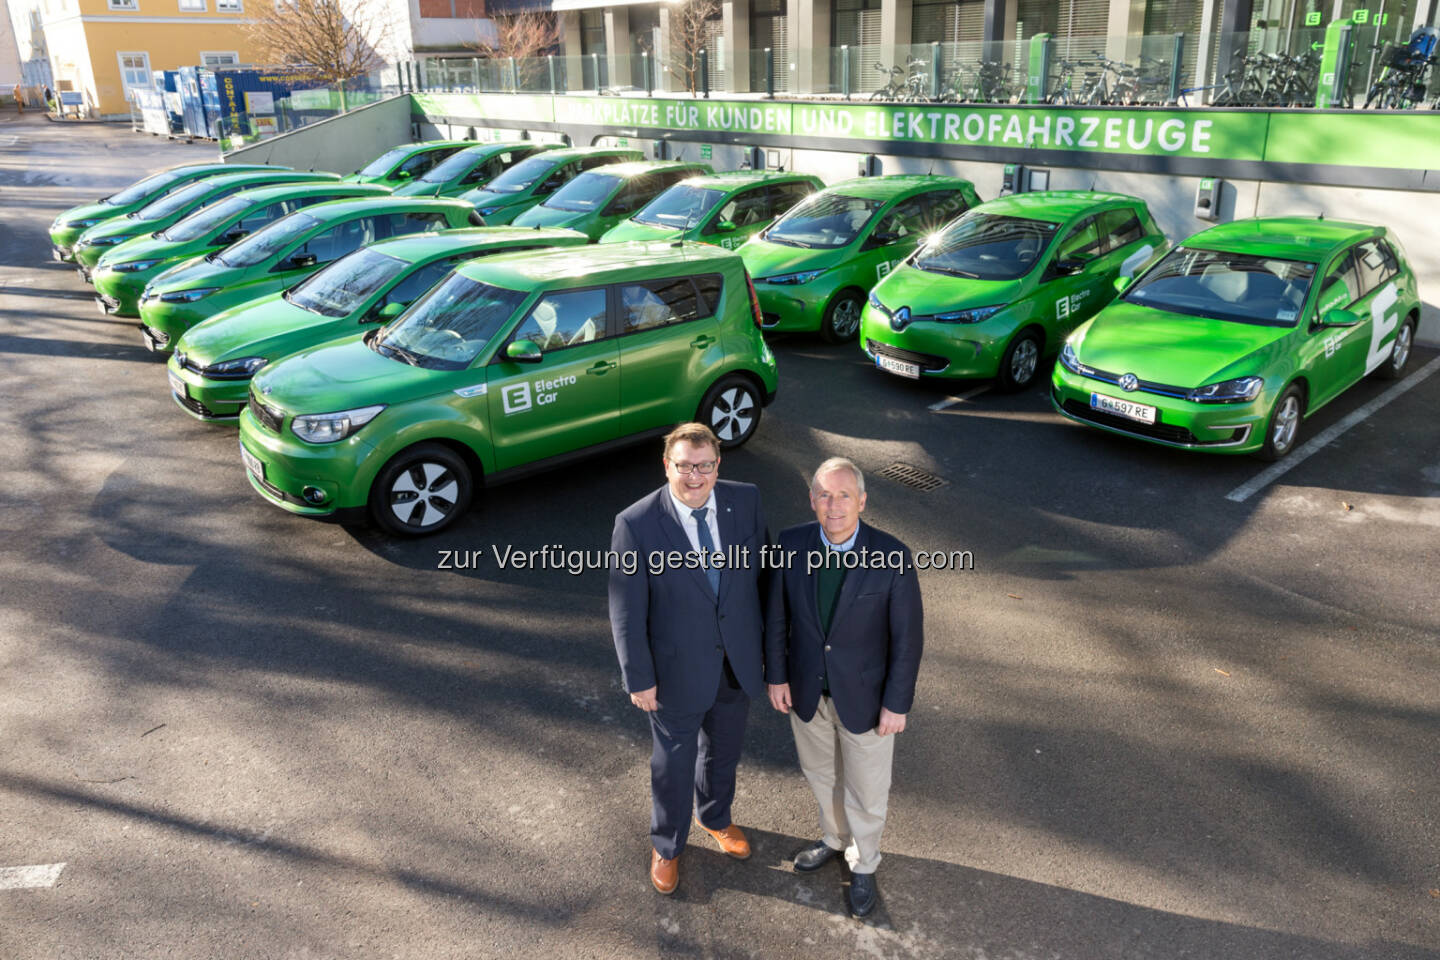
point(176, 384)
point(150, 343)
point(57, 255)
point(101, 305)
point(83, 274)
point(252, 463)
point(898, 367)
point(1122, 408)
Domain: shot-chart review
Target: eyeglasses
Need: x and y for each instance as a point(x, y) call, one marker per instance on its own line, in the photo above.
point(685, 469)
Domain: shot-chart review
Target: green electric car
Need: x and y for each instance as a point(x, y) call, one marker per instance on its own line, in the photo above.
point(597, 200)
point(725, 209)
point(407, 162)
point(814, 266)
point(163, 211)
point(211, 365)
point(282, 254)
point(470, 169)
point(1240, 332)
point(528, 182)
point(67, 227)
point(512, 364)
point(121, 273)
point(1003, 286)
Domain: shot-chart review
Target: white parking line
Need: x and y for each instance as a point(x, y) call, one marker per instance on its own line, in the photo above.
point(26, 878)
point(1327, 436)
point(951, 401)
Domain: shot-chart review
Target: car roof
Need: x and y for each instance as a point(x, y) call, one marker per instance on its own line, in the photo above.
point(430, 145)
point(600, 263)
point(886, 188)
point(635, 168)
point(340, 208)
point(264, 176)
point(499, 145)
point(735, 179)
point(421, 246)
point(572, 153)
point(1054, 206)
point(1292, 238)
point(280, 191)
point(221, 166)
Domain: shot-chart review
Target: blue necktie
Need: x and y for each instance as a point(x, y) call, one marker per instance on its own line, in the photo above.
point(707, 543)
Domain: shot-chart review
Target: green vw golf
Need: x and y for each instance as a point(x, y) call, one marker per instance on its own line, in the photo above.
point(470, 169)
point(512, 364)
point(211, 366)
point(1004, 285)
point(597, 200)
point(67, 227)
point(163, 211)
point(282, 254)
point(532, 180)
point(814, 267)
point(725, 209)
point(121, 273)
point(406, 162)
point(1240, 332)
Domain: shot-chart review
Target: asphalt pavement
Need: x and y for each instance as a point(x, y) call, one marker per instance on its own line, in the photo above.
point(1153, 721)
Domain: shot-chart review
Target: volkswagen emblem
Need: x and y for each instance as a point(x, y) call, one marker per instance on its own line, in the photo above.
point(266, 389)
point(901, 319)
point(1129, 383)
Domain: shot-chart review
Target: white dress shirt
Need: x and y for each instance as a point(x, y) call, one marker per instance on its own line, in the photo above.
point(691, 528)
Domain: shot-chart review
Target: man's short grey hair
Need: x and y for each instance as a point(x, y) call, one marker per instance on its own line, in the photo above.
point(838, 463)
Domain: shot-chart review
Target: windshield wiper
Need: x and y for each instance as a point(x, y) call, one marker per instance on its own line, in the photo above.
point(791, 243)
point(400, 353)
point(948, 271)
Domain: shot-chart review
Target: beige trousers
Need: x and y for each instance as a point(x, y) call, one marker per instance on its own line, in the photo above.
point(850, 774)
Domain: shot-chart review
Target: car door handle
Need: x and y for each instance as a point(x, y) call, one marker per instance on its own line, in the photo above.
point(602, 367)
point(702, 341)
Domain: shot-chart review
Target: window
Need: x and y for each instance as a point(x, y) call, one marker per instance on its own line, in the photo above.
point(229, 6)
point(1342, 286)
point(786, 195)
point(421, 162)
point(407, 291)
point(1373, 264)
point(565, 319)
point(658, 303)
point(1121, 227)
point(1082, 243)
point(921, 214)
point(134, 69)
point(212, 59)
point(745, 209)
point(265, 215)
point(123, 5)
point(709, 286)
point(192, 5)
point(589, 163)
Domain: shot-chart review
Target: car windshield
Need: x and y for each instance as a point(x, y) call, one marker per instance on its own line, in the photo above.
point(381, 165)
point(982, 246)
point(585, 193)
point(205, 219)
point(340, 288)
point(1240, 287)
point(521, 175)
point(265, 242)
point(448, 327)
point(174, 202)
point(455, 165)
point(140, 190)
point(824, 220)
point(680, 206)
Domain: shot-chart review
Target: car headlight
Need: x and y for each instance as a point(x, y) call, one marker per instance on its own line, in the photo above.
point(1238, 390)
point(804, 276)
point(132, 266)
point(1070, 361)
point(77, 224)
point(487, 211)
point(187, 296)
point(329, 427)
point(105, 241)
point(242, 369)
point(970, 314)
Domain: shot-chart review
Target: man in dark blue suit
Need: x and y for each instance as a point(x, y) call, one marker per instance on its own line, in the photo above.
point(690, 640)
point(843, 636)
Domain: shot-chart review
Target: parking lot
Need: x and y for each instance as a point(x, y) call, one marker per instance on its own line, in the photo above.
point(1182, 707)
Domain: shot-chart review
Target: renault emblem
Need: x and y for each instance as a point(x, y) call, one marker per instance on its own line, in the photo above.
point(901, 319)
point(267, 388)
point(1129, 383)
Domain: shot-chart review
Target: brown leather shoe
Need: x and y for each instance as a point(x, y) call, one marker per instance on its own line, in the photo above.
point(664, 874)
point(732, 840)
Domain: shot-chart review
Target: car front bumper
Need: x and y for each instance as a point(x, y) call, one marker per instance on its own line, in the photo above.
point(120, 291)
point(203, 398)
point(939, 350)
point(342, 470)
point(792, 308)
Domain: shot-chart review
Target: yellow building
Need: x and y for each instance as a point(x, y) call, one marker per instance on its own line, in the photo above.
point(104, 48)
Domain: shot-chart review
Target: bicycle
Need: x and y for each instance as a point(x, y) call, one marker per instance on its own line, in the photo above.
point(894, 87)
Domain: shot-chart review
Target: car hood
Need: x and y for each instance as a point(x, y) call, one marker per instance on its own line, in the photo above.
point(1173, 348)
point(342, 375)
point(141, 248)
point(195, 272)
point(925, 292)
point(630, 230)
point(484, 198)
point(765, 259)
point(253, 329)
point(91, 211)
point(417, 188)
point(122, 226)
point(543, 216)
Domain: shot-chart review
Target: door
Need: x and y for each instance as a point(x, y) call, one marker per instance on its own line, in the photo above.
point(571, 398)
point(669, 349)
point(1122, 249)
point(1336, 355)
point(739, 218)
point(1377, 267)
point(1077, 295)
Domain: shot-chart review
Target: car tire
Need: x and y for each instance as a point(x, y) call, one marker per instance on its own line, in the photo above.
point(1021, 362)
point(1394, 366)
point(423, 490)
point(731, 408)
point(1282, 427)
point(842, 317)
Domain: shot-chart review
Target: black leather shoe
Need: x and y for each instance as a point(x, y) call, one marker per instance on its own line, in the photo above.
point(814, 856)
point(864, 894)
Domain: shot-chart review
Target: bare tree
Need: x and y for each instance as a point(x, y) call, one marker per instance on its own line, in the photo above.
point(524, 36)
point(688, 33)
point(317, 38)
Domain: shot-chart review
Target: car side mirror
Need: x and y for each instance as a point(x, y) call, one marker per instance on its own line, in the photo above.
point(550, 186)
point(1068, 268)
point(1338, 318)
point(1122, 284)
point(882, 239)
point(523, 351)
point(402, 175)
point(725, 226)
point(387, 313)
point(234, 235)
point(301, 260)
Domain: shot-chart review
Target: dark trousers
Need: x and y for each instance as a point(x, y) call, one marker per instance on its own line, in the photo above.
point(693, 763)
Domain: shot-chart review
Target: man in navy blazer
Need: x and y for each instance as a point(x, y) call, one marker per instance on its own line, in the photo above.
point(843, 637)
point(690, 641)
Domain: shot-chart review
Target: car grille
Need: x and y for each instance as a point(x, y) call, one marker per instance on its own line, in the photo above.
point(184, 360)
point(769, 319)
point(269, 417)
point(925, 361)
point(200, 410)
point(1165, 432)
point(1144, 386)
point(159, 336)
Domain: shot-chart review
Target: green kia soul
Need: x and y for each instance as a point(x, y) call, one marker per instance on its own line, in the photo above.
point(470, 169)
point(163, 211)
point(512, 364)
point(725, 209)
point(121, 273)
point(68, 226)
point(211, 366)
point(597, 200)
point(407, 162)
point(530, 181)
point(281, 255)
point(1003, 286)
point(814, 266)
point(1240, 332)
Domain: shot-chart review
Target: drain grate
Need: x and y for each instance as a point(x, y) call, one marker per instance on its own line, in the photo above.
point(913, 477)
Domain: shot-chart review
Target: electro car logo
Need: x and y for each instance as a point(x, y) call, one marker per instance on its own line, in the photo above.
point(516, 397)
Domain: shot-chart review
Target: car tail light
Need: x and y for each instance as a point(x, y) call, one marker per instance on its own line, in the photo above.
point(754, 302)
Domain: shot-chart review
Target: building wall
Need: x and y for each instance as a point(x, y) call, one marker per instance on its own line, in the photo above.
point(9, 58)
